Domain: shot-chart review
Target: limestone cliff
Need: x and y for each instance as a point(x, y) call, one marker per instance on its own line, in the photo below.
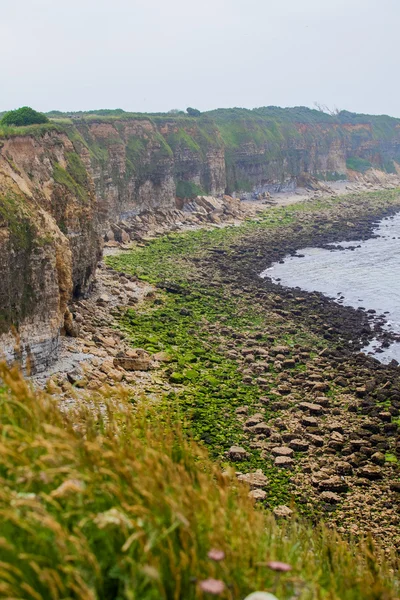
point(63, 184)
point(49, 245)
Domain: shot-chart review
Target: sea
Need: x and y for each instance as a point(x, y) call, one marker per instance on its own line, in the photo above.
point(357, 273)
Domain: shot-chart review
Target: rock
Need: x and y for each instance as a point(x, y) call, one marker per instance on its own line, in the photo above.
point(370, 472)
point(283, 462)
point(280, 350)
point(316, 440)
point(103, 300)
point(378, 458)
point(313, 409)
point(76, 376)
point(330, 497)
point(133, 363)
point(282, 451)
point(255, 480)
point(282, 512)
point(309, 422)
point(344, 468)
point(258, 495)
point(333, 484)
point(237, 453)
point(299, 445)
point(261, 428)
point(254, 420)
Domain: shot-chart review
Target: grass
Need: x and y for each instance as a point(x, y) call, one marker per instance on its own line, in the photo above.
point(356, 163)
point(116, 502)
point(65, 178)
point(16, 215)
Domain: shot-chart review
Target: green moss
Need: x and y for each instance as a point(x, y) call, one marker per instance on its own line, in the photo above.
point(63, 177)
point(15, 214)
point(76, 168)
point(182, 140)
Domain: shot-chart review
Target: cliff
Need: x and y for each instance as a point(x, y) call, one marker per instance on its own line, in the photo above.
point(63, 184)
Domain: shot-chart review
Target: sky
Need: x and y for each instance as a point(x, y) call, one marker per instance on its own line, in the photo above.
point(158, 55)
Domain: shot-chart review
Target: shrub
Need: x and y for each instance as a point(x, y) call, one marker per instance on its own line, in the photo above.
point(24, 116)
point(193, 112)
point(188, 189)
point(356, 163)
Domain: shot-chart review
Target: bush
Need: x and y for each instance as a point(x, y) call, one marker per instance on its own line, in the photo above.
point(188, 189)
point(193, 112)
point(24, 116)
point(356, 163)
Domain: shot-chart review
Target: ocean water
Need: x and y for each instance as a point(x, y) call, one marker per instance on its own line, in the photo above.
point(367, 275)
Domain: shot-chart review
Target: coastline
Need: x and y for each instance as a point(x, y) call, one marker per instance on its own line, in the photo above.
point(185, 318)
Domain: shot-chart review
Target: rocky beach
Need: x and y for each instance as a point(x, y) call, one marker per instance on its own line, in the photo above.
point(269, 379)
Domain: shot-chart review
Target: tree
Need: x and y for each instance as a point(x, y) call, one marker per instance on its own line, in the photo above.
point(23, 116)
point(193, 112)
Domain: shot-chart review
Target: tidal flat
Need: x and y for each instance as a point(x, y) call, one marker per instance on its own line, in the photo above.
point(271, 380)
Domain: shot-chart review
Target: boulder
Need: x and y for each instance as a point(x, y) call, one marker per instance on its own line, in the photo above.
point(237, 453)
point(130, 363)
point(254, 480)
point(282, 512)
point(284, 462)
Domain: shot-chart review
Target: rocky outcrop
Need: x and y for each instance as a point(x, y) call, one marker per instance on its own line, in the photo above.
point(49, 245)
point(64, 188)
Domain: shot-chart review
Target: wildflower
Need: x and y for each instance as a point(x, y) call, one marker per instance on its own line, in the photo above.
point(212, 586)
point(282, 567)
point(216, 555)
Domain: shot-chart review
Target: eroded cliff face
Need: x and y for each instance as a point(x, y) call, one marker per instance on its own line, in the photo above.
point(49, 243)
point(62, 188)
point(136, 165)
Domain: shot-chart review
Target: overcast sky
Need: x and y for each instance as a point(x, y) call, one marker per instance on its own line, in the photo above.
point(155, 55)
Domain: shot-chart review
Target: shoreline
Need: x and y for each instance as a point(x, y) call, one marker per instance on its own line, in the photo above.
point(70, 357)
point(265, 378)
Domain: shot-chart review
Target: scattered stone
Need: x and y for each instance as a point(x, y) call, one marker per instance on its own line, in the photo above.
point(370, 472)
point(282, 512)
point(333, 484)
point(258, 495)
point(282, 451)
point(331, 497)
point(255, 480)
point(237, 453)
point(299, 445)
point(313, 409)
point(283, 462)
point(133, 363)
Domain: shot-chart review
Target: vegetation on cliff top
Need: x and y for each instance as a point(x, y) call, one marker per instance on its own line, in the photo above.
point(23, 116)
point(114, 502)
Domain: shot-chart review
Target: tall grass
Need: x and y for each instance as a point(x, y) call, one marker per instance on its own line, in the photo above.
point(111, 501)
